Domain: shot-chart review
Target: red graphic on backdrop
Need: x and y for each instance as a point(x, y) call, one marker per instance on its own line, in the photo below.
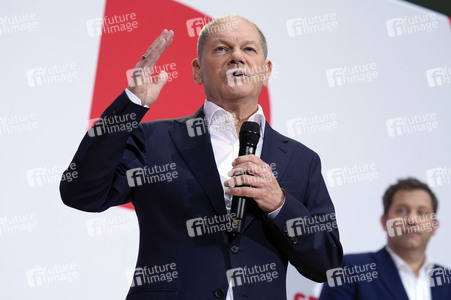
point(129, 27)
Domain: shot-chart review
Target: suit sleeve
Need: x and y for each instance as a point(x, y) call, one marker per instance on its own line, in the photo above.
point(348, 291)
point(115, 144)
point(342, 292)
point(311, 253)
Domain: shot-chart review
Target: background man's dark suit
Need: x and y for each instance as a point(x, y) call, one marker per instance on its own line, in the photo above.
point(387, 286)
point(164, 207)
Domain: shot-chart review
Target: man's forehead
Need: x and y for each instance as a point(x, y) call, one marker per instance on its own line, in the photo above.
point(419, 198)
point(237, 25)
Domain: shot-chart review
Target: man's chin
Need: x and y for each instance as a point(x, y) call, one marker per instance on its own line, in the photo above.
point(409, 241)
point(239, 91)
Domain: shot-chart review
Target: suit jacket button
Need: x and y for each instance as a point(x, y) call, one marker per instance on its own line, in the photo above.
point(219, 293)
point(234, 249)
point(295, 240)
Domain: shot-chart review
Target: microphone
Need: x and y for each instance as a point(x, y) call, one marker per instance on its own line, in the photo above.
point(249, 136)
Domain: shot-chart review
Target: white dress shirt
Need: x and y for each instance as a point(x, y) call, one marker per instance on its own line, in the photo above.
point(225, 144)
point(417, 288)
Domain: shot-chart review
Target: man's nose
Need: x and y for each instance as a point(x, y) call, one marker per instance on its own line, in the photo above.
point(236, 57)
point(413, 218)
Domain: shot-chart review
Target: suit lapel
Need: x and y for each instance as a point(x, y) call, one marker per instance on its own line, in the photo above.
point(274, 152)
point(439, 291)
point(389, 275)
point(192, 140)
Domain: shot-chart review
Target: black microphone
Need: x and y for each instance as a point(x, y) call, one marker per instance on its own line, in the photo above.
point(249, 136)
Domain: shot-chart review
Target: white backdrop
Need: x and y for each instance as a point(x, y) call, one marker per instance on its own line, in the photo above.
point(366, 84)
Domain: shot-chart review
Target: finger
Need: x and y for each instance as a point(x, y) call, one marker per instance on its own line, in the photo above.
point(249, 168)
point(161, 80)
point(156, 42)
point(244, 192)
point(158, 47)
point(247, 158)
point(246, 180)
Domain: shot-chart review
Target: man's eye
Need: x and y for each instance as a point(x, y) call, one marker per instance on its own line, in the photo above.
point(401, 211)
point(220, 49)
point(249, 49)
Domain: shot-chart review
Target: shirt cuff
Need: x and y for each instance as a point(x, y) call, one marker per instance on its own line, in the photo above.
point(133, 98)
point(272, 215)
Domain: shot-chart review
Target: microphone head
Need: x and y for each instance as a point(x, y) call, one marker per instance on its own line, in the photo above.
point(250, 133)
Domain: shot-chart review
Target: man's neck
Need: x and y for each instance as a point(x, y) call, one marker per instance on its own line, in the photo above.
point(415, 258)
point(241, 110)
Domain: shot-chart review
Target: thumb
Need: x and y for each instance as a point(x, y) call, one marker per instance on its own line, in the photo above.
point(161, 80)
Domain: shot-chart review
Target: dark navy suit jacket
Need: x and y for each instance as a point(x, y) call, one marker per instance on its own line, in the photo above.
point(387, 285)
point(163, 208)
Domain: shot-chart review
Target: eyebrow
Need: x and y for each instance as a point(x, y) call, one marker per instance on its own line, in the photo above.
point(222, 41)
point(406, 205)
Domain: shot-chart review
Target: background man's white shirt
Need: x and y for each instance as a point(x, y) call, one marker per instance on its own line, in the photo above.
point(417, 288)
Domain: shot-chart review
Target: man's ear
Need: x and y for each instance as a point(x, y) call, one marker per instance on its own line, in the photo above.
point(196, 71)
point(384, 222)
point(268, 70)
point(435, 225)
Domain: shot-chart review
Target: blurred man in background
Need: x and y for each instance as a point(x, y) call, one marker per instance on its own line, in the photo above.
point(401, 270)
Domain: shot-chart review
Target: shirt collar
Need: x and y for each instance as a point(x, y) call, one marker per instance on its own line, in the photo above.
point(402, 265)
point(216, 114)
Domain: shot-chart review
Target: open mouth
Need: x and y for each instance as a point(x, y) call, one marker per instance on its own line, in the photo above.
point(236, 73)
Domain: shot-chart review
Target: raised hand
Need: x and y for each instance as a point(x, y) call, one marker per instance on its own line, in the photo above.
point(141, 82)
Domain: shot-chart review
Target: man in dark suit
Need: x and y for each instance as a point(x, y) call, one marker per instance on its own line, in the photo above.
point(181, 179)
point(401, 270)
